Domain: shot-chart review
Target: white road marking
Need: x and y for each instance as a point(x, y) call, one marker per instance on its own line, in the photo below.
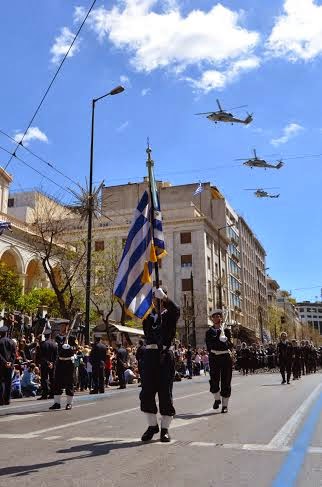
point(15, 417)
point(97, 418)
point(84, 405)
point(8, 436)
point(52, 438)
point(285, 434)
point(98, 439)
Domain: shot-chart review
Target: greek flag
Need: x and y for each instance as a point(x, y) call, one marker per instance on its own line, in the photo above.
point(133, 285)
point(198, 190)
point(4, 226)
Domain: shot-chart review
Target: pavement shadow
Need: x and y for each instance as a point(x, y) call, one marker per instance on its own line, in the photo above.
point(194, 416)
point(89, 449)
point(21, 413)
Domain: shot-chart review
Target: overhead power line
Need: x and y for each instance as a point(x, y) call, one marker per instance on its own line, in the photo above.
point(50, 85)
point(51, 165)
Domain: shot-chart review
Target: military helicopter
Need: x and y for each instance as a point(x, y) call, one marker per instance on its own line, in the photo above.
point(223, 116)
point(257, 162)
point(262, 193)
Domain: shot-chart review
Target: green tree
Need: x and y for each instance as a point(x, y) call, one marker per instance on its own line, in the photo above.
point(36, 298)
point(10, 287)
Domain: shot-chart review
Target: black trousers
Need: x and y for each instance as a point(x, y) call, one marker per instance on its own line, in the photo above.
point(64, 378)
point(98, 378)
point(158, 373)
point(296, 369)
point(221, 370)
point(286, 367)
point(46, 379)
point(5, 385)
point(120, 373)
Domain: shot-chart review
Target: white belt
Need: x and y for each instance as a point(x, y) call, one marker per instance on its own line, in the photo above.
point(219, 352)
point(64, 358)
point(154, 346)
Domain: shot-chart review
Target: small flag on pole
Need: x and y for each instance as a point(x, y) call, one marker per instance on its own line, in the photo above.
point(133, 285)
point(4, 226)
point(198, 190)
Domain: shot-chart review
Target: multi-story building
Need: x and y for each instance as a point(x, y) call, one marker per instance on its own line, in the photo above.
point(15, 249)
point(290, 318)
point(272, 288)
point(253, 277)
point(311, 314)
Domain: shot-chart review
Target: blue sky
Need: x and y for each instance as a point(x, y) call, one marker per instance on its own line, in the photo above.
point(174, 59)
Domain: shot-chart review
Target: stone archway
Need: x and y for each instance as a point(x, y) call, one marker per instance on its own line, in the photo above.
point(34, 277)
point(13, 260)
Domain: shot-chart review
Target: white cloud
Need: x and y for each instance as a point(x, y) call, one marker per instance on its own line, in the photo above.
point(289, 131)
point(34, 133)
point(62, 44)
point(125, 80)
point(212, 41)
point(214, 79)
point(145, 91)
point(297, 33)
point(123, 126)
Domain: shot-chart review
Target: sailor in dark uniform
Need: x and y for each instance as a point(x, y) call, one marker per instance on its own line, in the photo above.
point(7, 360)
point(219, 344)
point(47, 358)
point(64, 371)
point(159, 366)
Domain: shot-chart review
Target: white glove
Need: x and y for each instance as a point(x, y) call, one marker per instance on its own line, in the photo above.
point(223, 338)
point(159, 293)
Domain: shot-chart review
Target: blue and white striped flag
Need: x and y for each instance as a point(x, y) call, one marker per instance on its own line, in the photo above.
point(198, 190)
point(133, 285)
point(4, 226)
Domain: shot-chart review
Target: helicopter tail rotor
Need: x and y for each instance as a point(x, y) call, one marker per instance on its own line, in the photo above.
point(279, 165)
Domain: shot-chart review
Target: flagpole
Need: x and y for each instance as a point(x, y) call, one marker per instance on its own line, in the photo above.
point(154, 205)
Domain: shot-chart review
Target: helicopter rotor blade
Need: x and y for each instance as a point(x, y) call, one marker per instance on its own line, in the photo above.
point(204, 113)
point(236, 108)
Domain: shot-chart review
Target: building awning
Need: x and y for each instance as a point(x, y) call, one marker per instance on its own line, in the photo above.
point(129, 330)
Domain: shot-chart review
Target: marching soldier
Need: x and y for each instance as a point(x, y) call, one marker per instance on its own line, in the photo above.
point(296, 360)
point(7, 360)
point(285, 357)
point(64, 372)
point(47, 358)
point(219, 346)
point(159, 365)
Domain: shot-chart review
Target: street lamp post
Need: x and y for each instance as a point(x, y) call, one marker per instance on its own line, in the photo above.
point(90, 209)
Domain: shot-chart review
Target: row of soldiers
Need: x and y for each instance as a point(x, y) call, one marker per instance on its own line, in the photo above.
point(304, 356)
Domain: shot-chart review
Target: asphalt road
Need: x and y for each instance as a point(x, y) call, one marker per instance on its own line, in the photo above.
point(271, 437)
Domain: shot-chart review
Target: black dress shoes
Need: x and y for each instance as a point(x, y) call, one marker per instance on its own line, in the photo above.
point(216, 404)
point(68, 407)
point(55, 406)
point(165, 437)
point(224, 409)
point(148, 434)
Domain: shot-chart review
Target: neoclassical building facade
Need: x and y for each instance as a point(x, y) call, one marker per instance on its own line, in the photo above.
point(15, 250)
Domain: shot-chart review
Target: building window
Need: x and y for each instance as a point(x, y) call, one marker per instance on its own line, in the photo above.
point(186, 284)
point(208, 241)
point(186, 260)
point(209, 287)
point(208, 263)
point(99, 245)
point(216, 269)
point(185, 237)
point(11, 202)
point(301, 310)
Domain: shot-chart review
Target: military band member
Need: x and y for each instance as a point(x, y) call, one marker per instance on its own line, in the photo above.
point(7, 360)
point(219, 346)
point(47, 356)
point(285, 357)
point(159, 366)
point(64, 372)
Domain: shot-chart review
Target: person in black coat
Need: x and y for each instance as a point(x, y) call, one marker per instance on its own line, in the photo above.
point(140, 358)
point(7, 360)
point(47, 355)
point(244, 358)
point(159, 365)
point(285, 357)
point(121, 364)
point(219, 346)
point(64, 371)
point(98, 359)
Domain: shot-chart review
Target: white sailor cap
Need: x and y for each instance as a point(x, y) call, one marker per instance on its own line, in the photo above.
point(216, 312)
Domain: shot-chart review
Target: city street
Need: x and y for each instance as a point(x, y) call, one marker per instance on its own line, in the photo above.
point(272, 436)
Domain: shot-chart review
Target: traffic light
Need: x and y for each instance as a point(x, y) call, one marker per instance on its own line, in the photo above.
point(283, 320)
